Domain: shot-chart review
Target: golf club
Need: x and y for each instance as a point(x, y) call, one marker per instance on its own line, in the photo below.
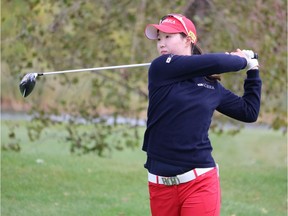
point(29, 80)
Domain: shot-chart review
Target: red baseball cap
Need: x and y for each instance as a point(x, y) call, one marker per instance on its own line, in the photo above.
point(172, 23)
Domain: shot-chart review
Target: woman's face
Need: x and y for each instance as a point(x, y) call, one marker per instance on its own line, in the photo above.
point(173, 44)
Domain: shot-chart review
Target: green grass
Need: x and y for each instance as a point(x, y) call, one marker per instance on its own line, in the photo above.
point(252, 168)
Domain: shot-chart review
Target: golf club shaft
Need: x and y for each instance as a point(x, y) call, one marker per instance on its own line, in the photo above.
point(104, 68)
point(95, 69)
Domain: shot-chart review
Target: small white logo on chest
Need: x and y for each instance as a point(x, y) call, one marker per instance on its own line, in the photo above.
point(205, 85)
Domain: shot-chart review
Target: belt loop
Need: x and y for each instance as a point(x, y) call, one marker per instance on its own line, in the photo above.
point(157, 179)
point(195, 173)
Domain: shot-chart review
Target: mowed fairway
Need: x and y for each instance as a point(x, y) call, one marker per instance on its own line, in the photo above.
point(45, 179)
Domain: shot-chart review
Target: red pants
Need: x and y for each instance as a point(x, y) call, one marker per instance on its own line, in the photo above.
point(199, 197)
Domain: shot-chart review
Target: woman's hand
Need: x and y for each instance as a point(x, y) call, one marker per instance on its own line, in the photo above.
point(252, 63)
point(239, 53)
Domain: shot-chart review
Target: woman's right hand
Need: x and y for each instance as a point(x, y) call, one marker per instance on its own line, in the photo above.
point(239, 53)
point(252, 63)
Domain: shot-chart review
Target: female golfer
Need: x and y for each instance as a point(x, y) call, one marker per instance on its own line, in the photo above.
point(182, 174)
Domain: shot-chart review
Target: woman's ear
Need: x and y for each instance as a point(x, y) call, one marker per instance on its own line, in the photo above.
point(188, 41)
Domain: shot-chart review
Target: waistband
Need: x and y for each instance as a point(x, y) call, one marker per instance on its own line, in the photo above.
point(179, 179)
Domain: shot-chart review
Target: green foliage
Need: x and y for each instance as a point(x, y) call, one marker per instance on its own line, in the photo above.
point(37, 125)
point(102, 138)
point(97, 135)
point(13, 142)
point(41, 35)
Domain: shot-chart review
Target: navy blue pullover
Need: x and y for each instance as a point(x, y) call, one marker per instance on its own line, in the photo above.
point(181, 105)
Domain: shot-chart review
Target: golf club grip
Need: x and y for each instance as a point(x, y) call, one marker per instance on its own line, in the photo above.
point(255, 55)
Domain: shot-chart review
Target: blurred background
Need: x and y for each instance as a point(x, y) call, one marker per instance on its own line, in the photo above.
point(42, 36)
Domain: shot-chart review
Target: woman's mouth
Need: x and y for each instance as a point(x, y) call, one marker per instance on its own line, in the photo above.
point(163, 52)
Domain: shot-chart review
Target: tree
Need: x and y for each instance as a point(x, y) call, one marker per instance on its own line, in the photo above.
point(52, 35)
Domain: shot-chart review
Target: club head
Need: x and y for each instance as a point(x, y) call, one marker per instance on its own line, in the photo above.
point(27, 84)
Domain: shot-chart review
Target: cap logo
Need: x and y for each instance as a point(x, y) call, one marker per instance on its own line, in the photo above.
point(193, 36)
point(168, 21)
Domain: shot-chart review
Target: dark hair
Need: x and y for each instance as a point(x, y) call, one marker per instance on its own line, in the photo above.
point(195, 50)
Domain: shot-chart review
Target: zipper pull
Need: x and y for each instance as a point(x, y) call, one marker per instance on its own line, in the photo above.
point(168, 60)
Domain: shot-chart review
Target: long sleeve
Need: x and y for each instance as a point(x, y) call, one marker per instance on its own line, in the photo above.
point(247, 107)
point(186, 67)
